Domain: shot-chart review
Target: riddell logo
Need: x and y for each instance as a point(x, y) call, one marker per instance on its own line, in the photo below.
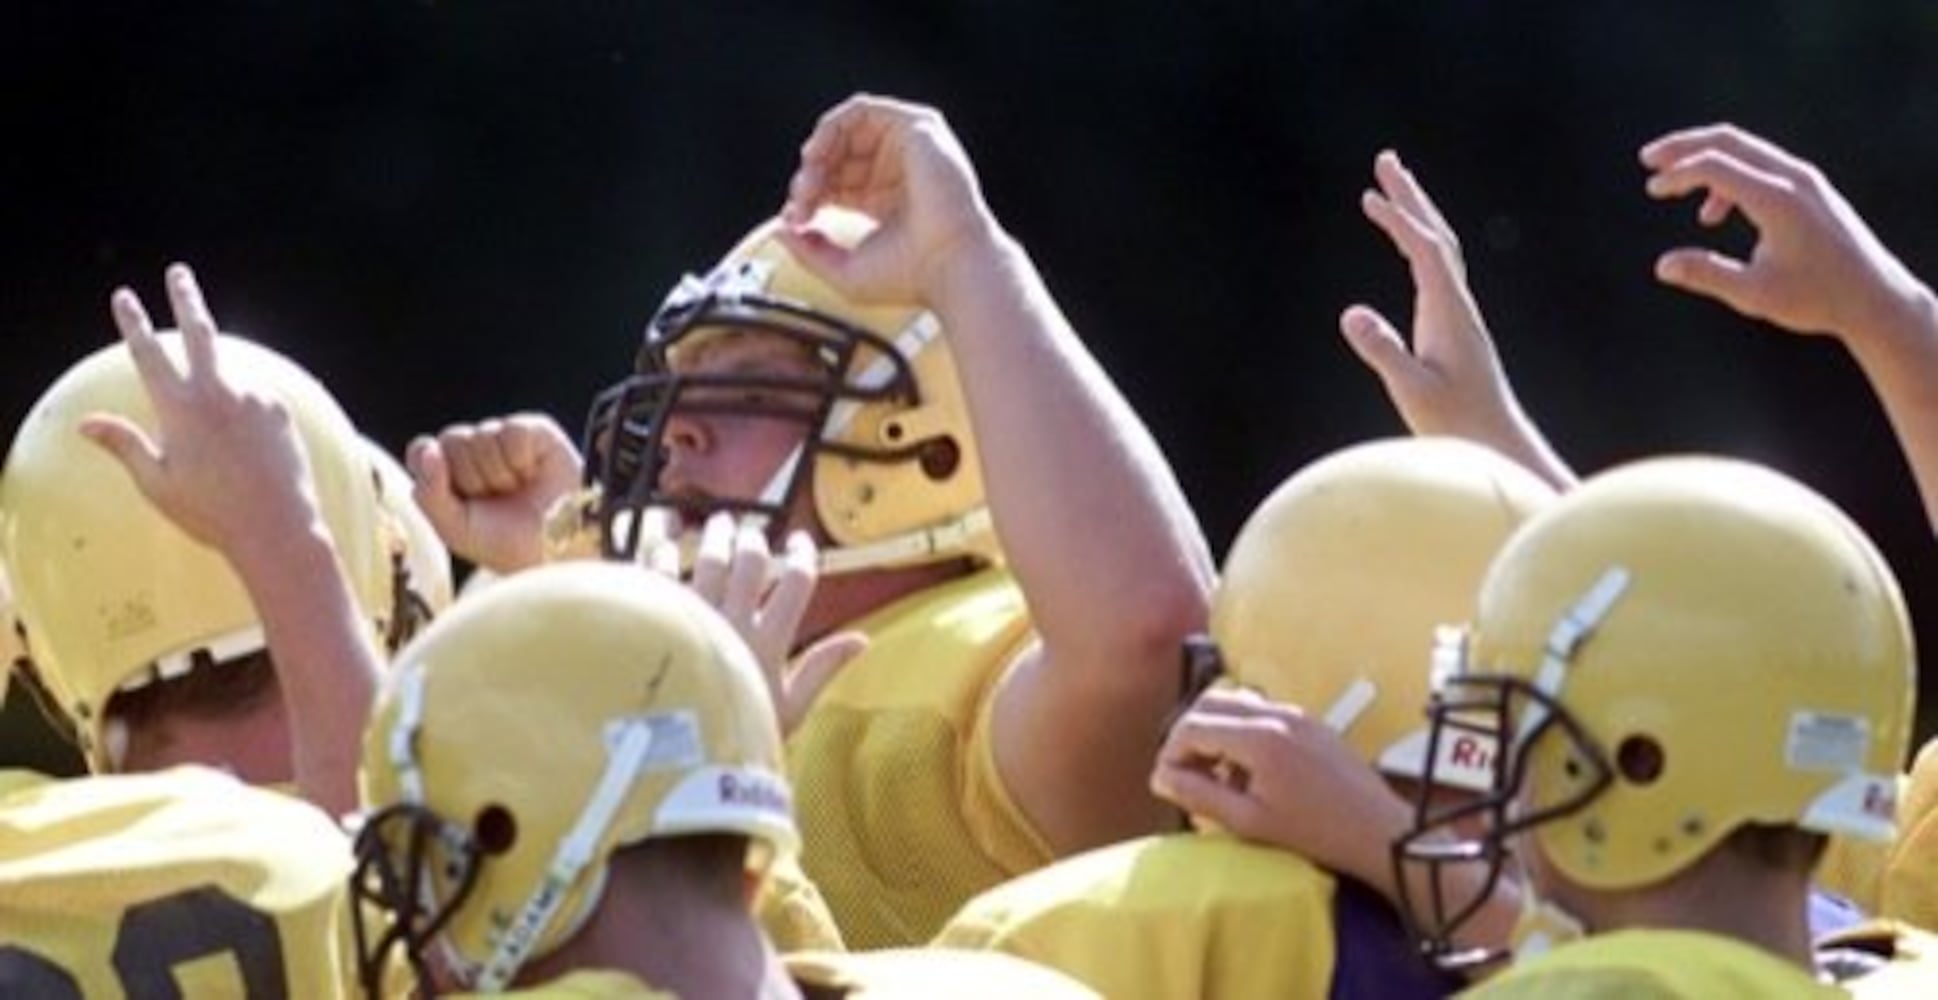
point(1880, 800)
point(754, 791)
point(1471, 753)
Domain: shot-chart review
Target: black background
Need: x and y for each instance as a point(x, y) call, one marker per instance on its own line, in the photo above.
point(450, 210)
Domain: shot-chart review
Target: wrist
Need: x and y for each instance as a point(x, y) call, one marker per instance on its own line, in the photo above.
point(1372, 865)
point(299, 551)
point(980, 256)
point(1907, 320)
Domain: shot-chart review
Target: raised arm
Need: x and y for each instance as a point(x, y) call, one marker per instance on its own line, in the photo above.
point(227, 466)
point(1450, 379)
point(1109, 555)
point(1816, 269)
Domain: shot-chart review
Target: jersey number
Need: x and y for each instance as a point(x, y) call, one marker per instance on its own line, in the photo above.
point(155, 937)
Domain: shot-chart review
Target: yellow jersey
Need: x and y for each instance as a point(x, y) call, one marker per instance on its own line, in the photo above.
point(929, 974)
point(903, 815)
point(182, 880)
point(910, 974)
point(1653, 965)
point(1195, 915)
point(585, 984)
point(792, 913)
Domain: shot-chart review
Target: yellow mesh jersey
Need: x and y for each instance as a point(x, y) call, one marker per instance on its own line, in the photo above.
point(902, 813)
point(140, 885)
point(791, 911)
point(1653, 965)
point(1909, 886)
point(1893, 960)
point(590, 984)
point(1183, 915)
point(928, 974)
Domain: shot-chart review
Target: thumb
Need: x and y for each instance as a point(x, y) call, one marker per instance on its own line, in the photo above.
point(431, 479)
point(1380, 347)
point(812, 671)
point(1708, 273)
point(130, 445)
point(1202, 794)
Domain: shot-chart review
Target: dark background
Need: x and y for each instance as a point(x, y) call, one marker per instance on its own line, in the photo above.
point(450, 210)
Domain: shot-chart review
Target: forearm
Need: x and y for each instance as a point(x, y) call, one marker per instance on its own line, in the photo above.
point(326, 659)
point(1901, 362)
point(1092, 520)
point(1517, 436)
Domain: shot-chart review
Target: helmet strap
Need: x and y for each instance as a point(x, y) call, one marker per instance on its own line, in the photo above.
point(628, 741)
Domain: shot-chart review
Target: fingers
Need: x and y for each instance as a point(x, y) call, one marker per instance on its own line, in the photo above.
point(1722, 176)
point(1431, 250)
point(1399, 185)
point(138, 332)
point(1235, 702)
point(1198, 737)
point(1381, 348)
point(489, 454)
point(475, 459)
point(747, 577)
point(659, 549)
point(1706, 272)
point(1744, 147)
point(518, 442)
point(711, 560)
point(1715, 210)
point(130, 445)
point(839, 153)
point(1203, 794)
point(431, 491)
point(813, 669)
point(192, 317)
point(787, 600)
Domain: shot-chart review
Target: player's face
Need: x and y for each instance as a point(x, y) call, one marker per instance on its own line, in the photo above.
point(735, 456)
point(251, 742)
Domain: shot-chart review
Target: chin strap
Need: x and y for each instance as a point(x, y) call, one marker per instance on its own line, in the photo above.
point(628, 744)
point(957, 536)
point(1541, 927)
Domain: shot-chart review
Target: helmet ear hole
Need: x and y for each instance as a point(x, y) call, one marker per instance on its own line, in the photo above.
point(494, 829)
point(1640, 760)
point(940, 458)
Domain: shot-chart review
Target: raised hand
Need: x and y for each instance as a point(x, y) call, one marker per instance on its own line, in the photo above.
point(1271, 773)
point(224, 462)
point(1816, 267)
point(765, 599)
point(1450, 379)
point(486, 487)
point(901, 164)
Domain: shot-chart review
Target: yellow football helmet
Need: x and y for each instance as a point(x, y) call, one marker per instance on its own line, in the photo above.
point(111, 595)
point(541, 725)
point(426, 564)
point(1331, 593)
point(889, 452)
point(1676, 649)
point(11, 651)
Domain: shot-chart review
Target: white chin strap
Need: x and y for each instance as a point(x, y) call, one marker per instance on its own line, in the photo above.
point(628, 742)
point(951, 537)
point(1567, 636)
